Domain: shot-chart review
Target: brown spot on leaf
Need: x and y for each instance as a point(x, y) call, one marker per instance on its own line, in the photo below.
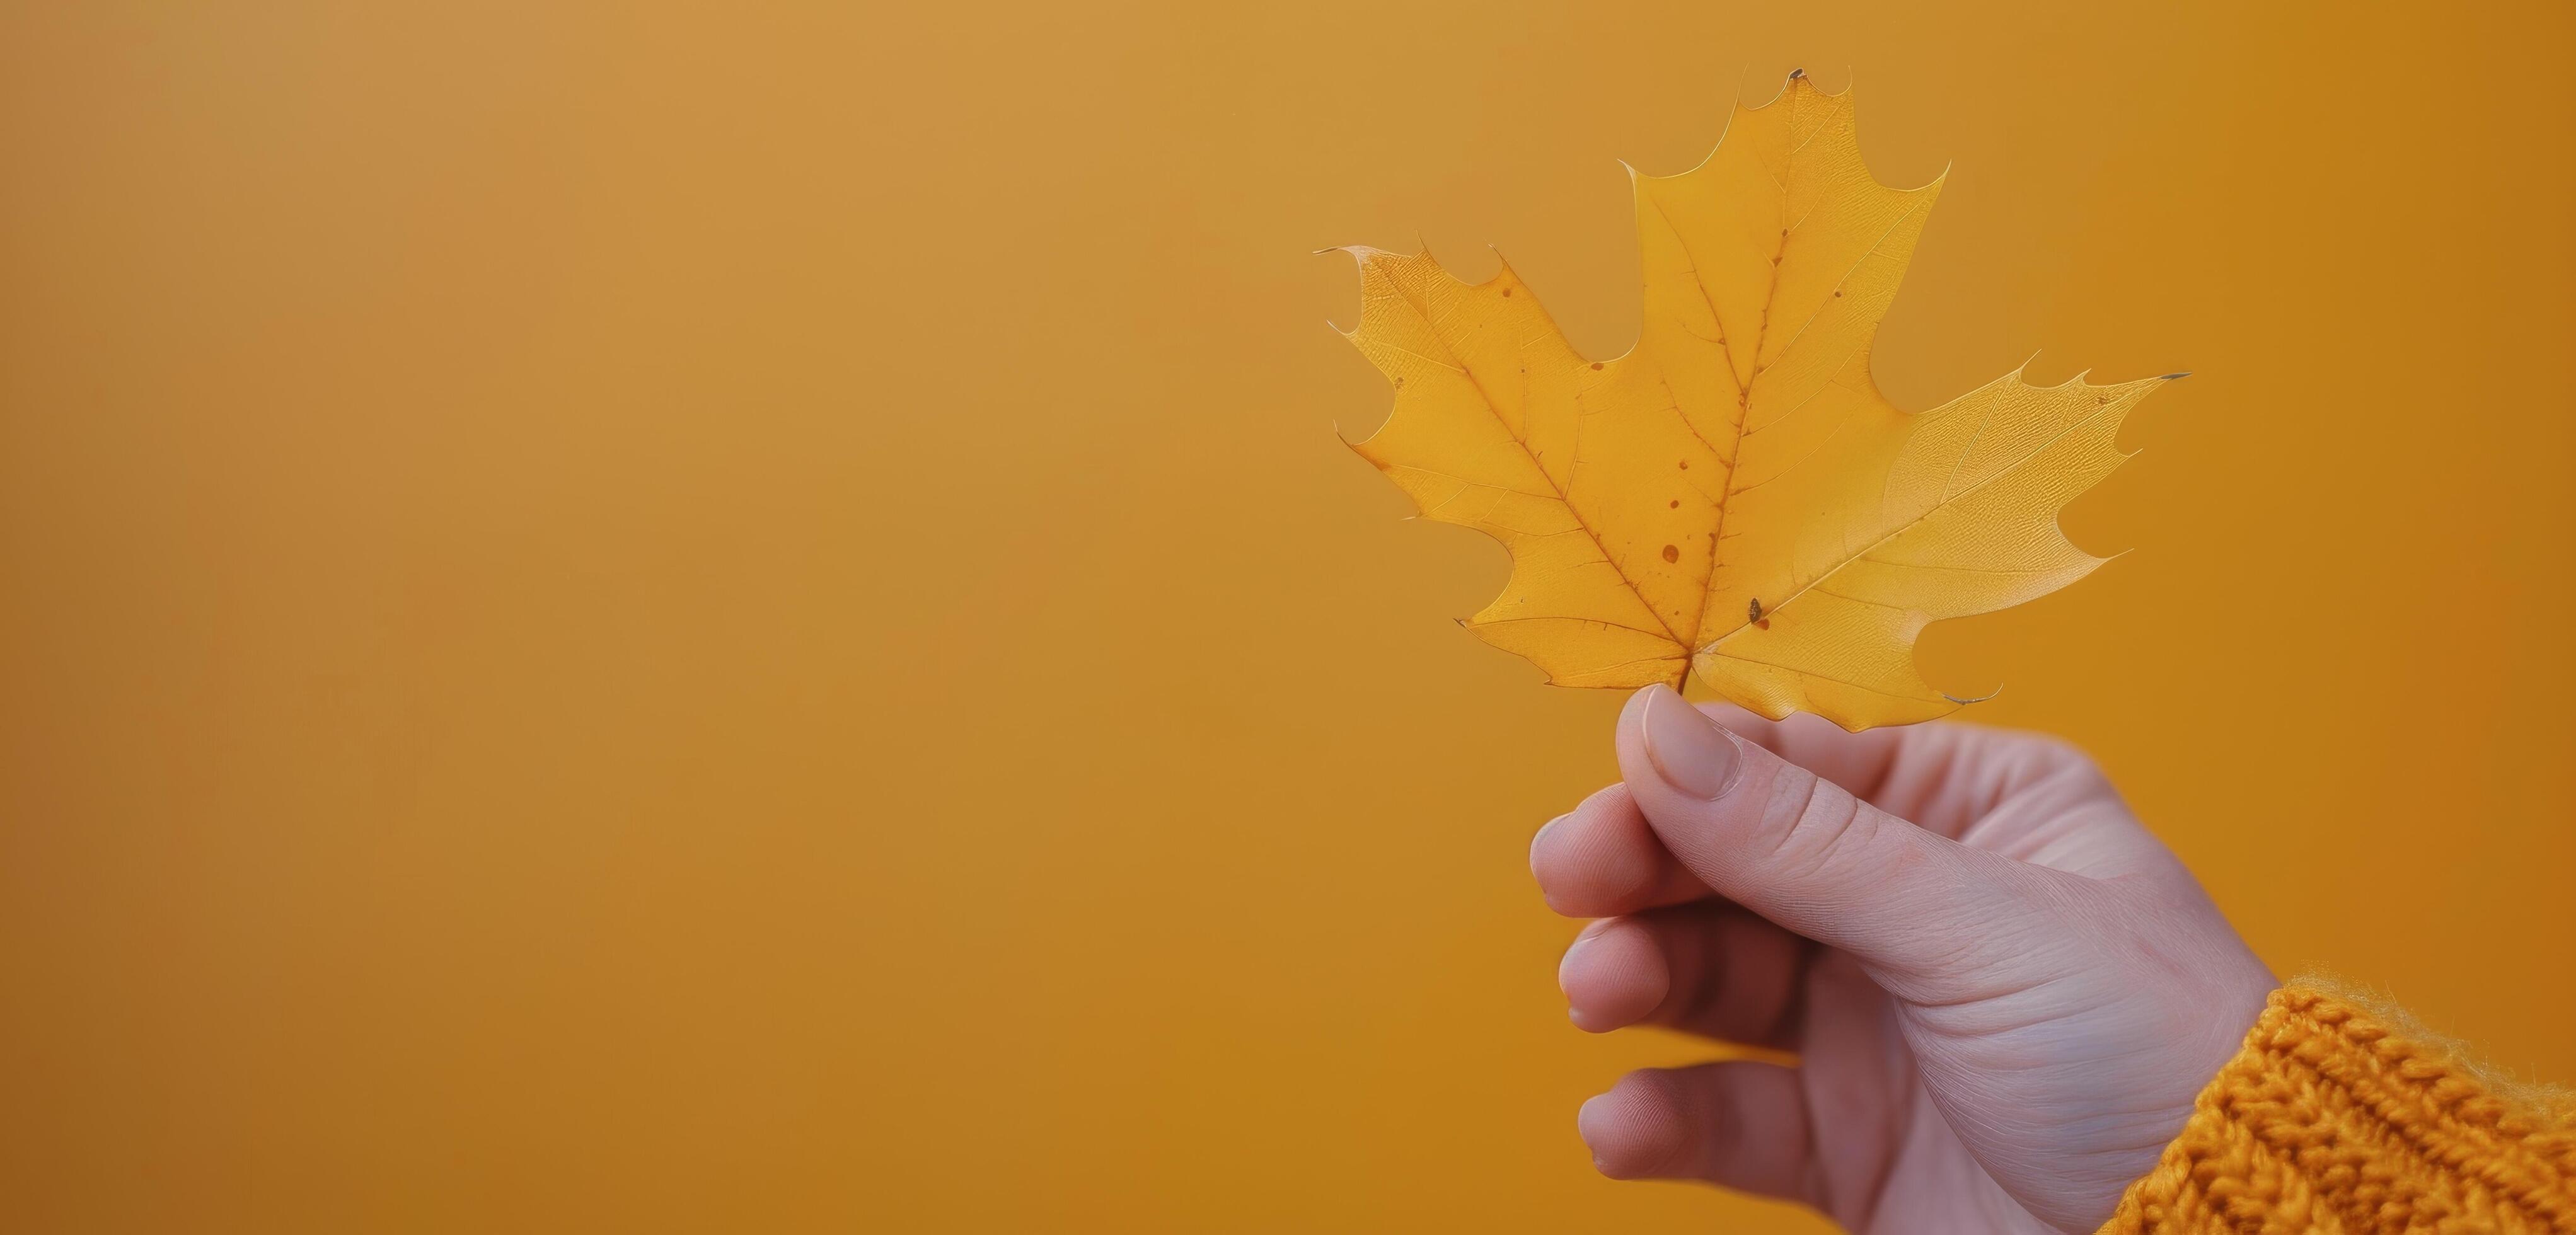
point(1685, 465)
point(1507, 291)
point(1677, 503)
point(1596, 364)
point(1672, 553)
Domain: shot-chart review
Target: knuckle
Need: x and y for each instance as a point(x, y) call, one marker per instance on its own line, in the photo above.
point(1811, 826)
point(2056, 754)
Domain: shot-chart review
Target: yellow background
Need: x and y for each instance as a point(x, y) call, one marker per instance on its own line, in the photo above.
point(748, 618)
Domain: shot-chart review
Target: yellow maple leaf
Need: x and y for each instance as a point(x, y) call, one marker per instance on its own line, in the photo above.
point(1734, 498)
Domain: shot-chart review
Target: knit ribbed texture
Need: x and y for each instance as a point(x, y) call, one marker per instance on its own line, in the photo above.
point(2331, 1120)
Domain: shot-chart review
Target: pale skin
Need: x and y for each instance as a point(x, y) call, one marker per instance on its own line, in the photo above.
point(2003, 993)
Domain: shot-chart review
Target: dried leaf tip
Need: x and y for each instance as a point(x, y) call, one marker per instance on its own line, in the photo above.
point(1795, 74)
point(2173, 377)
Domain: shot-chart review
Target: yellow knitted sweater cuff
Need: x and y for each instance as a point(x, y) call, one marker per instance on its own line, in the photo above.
point(2342, 1119)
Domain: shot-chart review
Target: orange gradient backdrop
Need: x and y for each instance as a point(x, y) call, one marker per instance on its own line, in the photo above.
point(738, 617)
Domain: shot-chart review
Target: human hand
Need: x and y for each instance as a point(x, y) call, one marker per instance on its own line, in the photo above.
point(2004, 994)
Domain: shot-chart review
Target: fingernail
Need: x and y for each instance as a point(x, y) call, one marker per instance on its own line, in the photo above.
point(1688, 750)
point(1566, 962)
point(1589, 1118)
point(1541, 835)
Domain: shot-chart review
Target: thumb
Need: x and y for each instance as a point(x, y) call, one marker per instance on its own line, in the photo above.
point(1803, 852)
